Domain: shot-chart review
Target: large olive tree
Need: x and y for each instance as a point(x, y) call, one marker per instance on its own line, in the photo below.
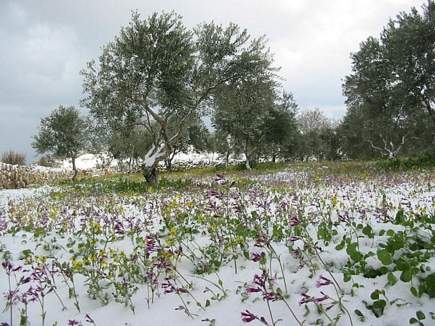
point(157, 70)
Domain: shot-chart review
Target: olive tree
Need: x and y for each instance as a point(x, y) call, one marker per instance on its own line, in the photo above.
point(62, 134)
point(157, 70)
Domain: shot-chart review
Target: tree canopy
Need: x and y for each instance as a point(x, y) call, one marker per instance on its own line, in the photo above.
point(63, 134)
point(157, 70)
point(390, 93)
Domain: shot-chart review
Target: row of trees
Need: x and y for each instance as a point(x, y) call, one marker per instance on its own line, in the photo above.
point(150, 90)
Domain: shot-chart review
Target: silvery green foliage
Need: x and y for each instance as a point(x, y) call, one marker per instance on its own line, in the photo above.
point(157, 70)
point(63, 133)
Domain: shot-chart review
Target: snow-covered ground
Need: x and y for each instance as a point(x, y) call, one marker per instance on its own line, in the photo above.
point(91, 161)
point(218, 257)
point(15, 195)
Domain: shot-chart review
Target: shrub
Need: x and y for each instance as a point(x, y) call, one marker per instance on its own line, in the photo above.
point(426, 160)
point(47, 161)
point(14, 158)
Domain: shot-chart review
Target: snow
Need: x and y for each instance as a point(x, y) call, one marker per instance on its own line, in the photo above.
point(88, 161)
point(14, 195)
point(357, 200)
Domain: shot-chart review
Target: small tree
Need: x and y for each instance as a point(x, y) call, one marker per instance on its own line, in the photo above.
point(63, 134)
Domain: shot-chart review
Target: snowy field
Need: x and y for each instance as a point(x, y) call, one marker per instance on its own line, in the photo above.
point(285, 248)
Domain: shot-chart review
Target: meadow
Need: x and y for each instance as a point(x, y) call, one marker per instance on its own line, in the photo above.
point(315, 243)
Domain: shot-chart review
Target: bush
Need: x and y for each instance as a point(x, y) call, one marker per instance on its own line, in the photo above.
point(14, 158)
point(47, 161)
point(426, 160)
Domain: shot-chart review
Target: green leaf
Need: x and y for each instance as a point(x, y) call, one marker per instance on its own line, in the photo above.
point(385, 257)
point(340, 245)
point(390, 233)
point(378, 307)
point(391, 279)
point(406, 275)
point(368, 231)
point(413, 321)
point(374, 295)
point(359, 314)
point(420, 315)
point(430, 285)
point(352, 251)
point(414, 292)
point(400, 217)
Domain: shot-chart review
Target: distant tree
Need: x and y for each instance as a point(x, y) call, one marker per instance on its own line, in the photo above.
point(312, 119)
point(281, 129)
point(193, 136)
point(129, 146)
point(156, 70)
point(242, 110)
point(222, 143)
point(320, 139)
point(63, 134)
point(14, 158)
point(390, 93)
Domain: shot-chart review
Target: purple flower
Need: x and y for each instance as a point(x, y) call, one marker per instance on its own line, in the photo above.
point(151, 245)
point(168, 286)
point(73, 322)
point(322, 298)
point(220, 179)
point(271, 296)
point(248, 316)
point(260, 280)
point(252, 289)
point(294, 221)
point(262, 240)
point(323, 281)
point(256, 257)
point(305, 298)
point(296, 253)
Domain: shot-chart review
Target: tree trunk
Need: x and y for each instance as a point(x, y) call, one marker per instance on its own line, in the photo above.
point(273, 158)
point(152, 158)
point(151, 174)
point(73, 159)
point(247, 157)
point(247, 164)
point(168, 164)
point(169, 159)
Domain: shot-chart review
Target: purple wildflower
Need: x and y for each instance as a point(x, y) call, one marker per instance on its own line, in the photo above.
point(256, 257)
point(323, 281)
point(248, 316)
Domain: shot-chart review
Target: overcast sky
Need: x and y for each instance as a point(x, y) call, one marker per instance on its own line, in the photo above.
point(45, 43)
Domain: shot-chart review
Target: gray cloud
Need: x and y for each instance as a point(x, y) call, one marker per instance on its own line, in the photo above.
point(46, 43)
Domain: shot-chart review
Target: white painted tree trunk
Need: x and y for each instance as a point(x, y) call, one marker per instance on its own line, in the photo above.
point(154, 155)
point(152, 158)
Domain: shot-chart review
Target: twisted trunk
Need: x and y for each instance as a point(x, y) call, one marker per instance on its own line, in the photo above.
point(73, 159)
point(149, 167)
